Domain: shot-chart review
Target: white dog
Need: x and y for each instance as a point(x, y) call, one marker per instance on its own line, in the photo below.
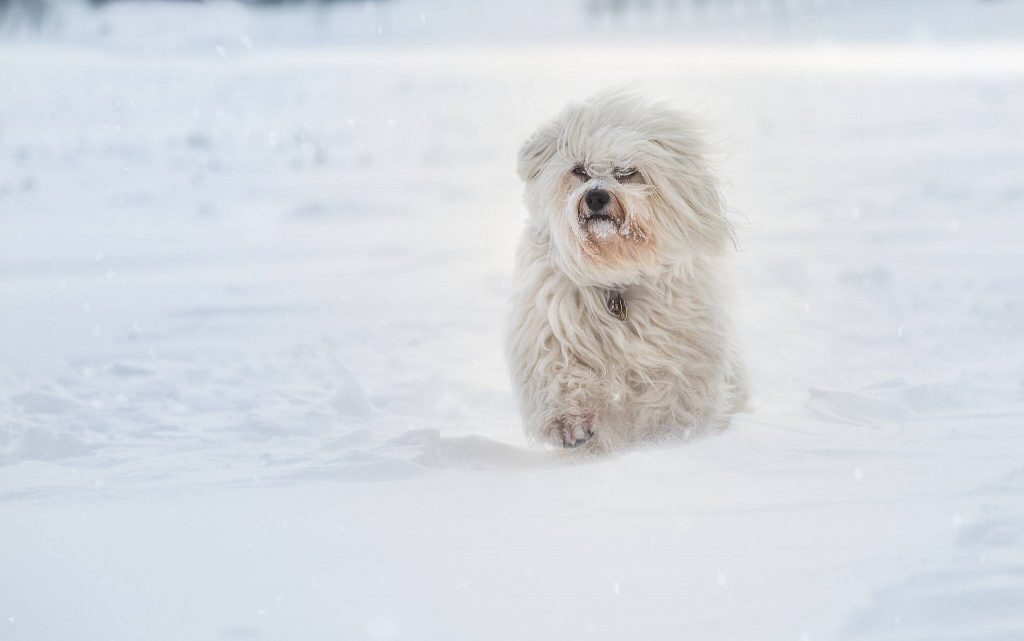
point(619, 328)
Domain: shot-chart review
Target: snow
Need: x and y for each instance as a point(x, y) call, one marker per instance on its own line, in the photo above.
point(602, 228)
point(252, 379)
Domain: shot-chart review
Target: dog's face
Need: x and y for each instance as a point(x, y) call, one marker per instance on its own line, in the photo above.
point(621, 187)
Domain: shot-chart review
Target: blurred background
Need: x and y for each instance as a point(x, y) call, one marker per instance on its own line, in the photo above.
point(254, 263)
point(161, 23)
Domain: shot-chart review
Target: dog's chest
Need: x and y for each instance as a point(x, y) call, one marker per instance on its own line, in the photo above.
point(634, 325)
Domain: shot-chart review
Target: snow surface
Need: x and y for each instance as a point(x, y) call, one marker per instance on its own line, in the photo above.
point(253, 388)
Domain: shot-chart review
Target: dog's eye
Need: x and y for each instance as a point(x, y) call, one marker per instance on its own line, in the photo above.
point(580, 172)
point(627, 174)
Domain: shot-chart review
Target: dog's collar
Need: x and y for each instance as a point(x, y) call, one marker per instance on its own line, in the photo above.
point(616, 304)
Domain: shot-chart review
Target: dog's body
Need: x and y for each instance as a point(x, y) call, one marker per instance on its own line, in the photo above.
point(619, 328)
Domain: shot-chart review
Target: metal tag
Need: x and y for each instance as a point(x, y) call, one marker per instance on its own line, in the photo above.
point(617, 305)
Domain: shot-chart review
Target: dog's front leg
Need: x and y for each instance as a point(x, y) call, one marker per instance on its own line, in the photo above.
point(556, 401)
point(571, 419)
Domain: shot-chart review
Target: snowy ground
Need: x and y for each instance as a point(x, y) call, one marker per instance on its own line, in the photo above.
point(253, 385)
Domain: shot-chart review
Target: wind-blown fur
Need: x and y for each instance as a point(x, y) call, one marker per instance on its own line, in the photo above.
point(581, 373)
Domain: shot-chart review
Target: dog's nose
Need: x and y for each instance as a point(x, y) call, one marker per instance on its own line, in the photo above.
point(597, 198)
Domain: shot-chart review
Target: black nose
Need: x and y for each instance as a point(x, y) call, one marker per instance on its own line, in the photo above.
point(596, 199)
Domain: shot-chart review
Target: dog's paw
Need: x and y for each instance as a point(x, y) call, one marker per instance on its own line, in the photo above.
point(571, 431)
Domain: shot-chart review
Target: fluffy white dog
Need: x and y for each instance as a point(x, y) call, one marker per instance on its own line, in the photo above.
point(619, 328)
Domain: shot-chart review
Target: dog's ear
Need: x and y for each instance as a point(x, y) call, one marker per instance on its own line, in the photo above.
point(537, 151)
point(695, 181)
point(705, 198)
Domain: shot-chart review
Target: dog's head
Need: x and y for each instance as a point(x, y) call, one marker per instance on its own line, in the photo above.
point(621, 186)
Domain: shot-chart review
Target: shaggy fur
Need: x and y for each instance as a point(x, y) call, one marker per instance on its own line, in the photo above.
point(580, 373)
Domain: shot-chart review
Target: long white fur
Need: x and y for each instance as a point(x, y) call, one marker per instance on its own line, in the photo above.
point(673, 366)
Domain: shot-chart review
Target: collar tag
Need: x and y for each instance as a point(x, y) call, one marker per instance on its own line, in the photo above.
point(617, 305)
